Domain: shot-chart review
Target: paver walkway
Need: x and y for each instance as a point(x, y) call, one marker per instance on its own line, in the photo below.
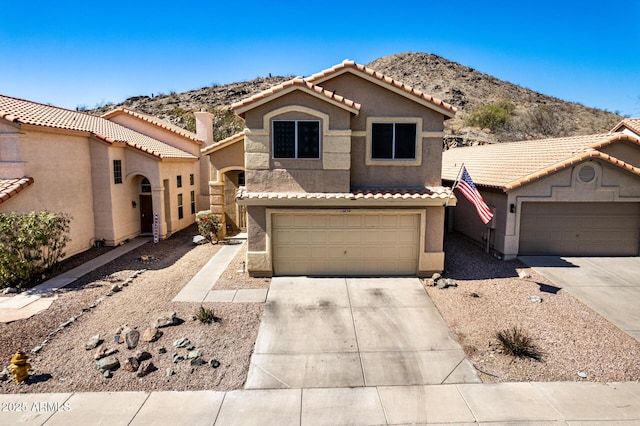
point(34, 300)
point(345, 332)
point(461, 404)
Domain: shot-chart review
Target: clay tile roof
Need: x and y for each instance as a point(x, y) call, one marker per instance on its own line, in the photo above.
point(425, 193)
point(238, 137)
point(154, 120)
point(26, 112)
point(632, 124)
point(11, 187)
point(408, 91)
point(512, 164)
point(244, 105)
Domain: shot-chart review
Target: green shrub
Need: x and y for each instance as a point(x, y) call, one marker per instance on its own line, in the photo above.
point(205, 315)
point(517, 343)
point(493, 116)
point(30, 244)
point(208, 225)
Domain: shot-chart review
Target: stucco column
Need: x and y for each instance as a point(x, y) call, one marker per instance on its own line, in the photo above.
point(216, 199)
point(157, 198)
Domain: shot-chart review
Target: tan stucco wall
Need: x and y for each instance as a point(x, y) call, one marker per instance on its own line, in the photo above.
point(625, 151)
point(467, 221)
point(11, 164)
point(157, 132)
point(61, 168)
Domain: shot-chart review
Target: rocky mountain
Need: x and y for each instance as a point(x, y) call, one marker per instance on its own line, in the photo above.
point(489, 110)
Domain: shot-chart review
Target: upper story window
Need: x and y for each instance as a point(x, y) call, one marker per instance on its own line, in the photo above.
point(192, 179)
point(179, 180)
point(393, 141)
point(296, 139)
point(117, 171)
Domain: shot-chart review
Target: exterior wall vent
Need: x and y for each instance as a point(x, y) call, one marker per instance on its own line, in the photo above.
point(586, 173)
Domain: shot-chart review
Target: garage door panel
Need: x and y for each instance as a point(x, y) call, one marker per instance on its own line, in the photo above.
point(580, 229)
point(345, 244)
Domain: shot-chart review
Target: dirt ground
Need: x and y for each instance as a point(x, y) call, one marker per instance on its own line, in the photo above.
point(490, 296)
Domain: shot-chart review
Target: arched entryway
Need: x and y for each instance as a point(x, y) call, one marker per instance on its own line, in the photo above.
point(146, 207)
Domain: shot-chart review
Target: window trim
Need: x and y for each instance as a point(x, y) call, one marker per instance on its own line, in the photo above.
point(296, 121)
point(117, 172)
point(370, 161)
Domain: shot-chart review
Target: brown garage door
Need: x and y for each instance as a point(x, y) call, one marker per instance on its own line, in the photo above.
point(353, 243)
point(580, 229)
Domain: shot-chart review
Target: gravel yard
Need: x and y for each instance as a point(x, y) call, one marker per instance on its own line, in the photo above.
point(490, 296)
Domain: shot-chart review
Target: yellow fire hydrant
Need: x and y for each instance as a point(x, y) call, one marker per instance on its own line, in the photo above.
point(19, 367)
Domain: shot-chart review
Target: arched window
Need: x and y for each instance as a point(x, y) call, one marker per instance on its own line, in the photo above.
point(145, 185)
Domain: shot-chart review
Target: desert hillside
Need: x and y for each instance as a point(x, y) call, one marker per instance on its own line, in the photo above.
point(489, 110)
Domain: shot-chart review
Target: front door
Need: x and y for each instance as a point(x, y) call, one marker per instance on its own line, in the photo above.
point(146, 214)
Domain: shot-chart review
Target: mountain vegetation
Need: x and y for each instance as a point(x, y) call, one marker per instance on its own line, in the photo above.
point(489, 110)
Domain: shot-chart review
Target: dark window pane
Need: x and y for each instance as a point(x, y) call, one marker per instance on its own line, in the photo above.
point(284, 139)
point(405, 140)
point(382, 140)
point(308, 139)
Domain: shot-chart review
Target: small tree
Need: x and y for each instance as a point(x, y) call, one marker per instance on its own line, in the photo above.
point(208, 225)
point(30, 244)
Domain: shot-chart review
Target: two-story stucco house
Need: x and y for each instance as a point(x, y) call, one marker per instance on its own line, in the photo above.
point(341, 176)
point(117, 176)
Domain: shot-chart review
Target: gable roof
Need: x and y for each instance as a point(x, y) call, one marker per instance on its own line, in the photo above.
point(387, 82)
point(238, 137)
point(21, 111)
point(153, 120)
point(289, 86)
point(11, 187)
point(510, 165)
point(632, 124)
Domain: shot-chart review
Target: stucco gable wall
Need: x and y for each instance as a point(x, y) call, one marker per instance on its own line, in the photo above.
point(329, 173)
point(163, 135)
point(625, 151)
point(61, 167)
point(379, 102)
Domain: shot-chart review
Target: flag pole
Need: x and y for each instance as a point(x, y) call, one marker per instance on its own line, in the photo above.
point(455, 183)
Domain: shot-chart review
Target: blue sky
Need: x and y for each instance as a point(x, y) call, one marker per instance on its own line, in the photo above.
point(71, 53)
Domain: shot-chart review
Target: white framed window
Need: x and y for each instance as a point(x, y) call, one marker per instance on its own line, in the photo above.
point(296, 139)
point(117, 171)
point(180, 208)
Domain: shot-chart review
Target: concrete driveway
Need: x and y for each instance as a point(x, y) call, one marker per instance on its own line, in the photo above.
point(608, 285)
point(348, 332)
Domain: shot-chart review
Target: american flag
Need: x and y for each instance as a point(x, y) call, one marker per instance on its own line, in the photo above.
point(468, 189)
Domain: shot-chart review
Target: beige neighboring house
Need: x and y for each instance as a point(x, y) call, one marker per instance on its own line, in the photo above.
point(115, 175)
point(573, 196)
point(339, 174)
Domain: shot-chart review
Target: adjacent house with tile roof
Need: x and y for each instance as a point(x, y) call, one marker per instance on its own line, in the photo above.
point(574, 196)
point(118, 175)
point(339, 175)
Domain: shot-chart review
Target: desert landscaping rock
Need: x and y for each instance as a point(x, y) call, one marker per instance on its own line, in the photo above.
point(142, 356)
point(199, 239)
point(4, 375)
point(177, 358)
point(37, 349)
point(194, 354)
point(131, 364)
point(103, 351)
point(181, 343)
point(108, 363)
point(67, 323)
point(93, 342)
point(116, 288)
point(151, 334)
point(107, 374)
point(582, 374)
point(197, 361)
point(146, 368)
point(165, 320)
point(534, 299)
point(170, 372)
point(214, 363)
point(162, 350)
point(131, 337)
point(10, 290)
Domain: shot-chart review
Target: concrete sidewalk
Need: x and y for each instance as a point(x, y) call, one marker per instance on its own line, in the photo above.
point(554, 403)
point(35, 300)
